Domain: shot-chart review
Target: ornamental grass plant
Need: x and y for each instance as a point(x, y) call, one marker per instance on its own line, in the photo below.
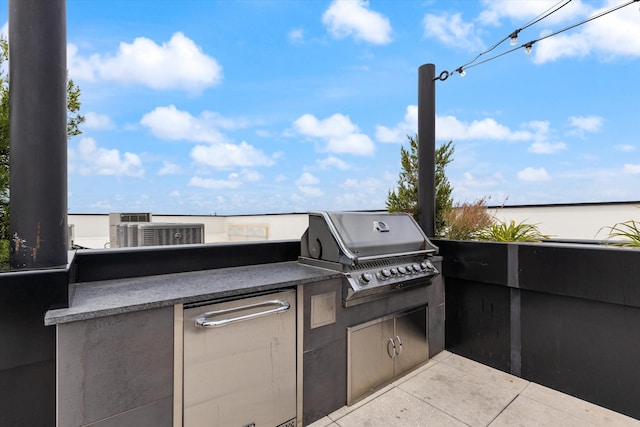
point(626, 234)
point(511, 232)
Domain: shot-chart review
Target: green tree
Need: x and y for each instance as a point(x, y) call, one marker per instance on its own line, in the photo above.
point(74, 120)
point(405, 199)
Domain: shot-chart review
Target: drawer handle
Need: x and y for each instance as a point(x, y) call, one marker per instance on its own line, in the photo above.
point(203, 321)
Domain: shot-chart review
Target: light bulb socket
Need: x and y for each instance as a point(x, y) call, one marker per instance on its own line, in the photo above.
point(461, 71)
point(528, 48)
point(514, 38)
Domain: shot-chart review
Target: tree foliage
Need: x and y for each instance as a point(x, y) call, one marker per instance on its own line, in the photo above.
point(74, 120)
point(405, 198)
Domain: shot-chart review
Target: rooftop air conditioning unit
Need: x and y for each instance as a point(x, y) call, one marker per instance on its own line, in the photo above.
point(155, 234)
point(115, 219)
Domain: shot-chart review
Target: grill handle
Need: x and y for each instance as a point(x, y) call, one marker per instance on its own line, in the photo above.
point(279, 307)
point(395, 254)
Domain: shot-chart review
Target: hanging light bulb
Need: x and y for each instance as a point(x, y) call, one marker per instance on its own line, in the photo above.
point(461, 71)
point(528, 47)
point(514, 38)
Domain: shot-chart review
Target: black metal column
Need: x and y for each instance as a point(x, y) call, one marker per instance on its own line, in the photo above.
point(38, 133)
point(427, 148)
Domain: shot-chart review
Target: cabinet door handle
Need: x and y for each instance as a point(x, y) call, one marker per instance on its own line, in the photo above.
point(203, 322)
point(391, 348)
point(398, 348)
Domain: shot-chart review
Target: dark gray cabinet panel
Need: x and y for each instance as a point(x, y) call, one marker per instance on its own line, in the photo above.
point(111, 365)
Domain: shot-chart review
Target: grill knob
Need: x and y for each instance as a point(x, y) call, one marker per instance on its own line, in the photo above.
point(402, 270)
point(394, 271)
point(385, 273)
point(424, 265)
point(416, 268)
point(365, 278)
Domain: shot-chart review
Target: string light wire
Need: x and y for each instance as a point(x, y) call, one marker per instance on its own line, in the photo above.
point(461, 70)
point(538, 18)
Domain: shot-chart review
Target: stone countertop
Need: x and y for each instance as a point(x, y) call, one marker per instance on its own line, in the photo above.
point(110, 297)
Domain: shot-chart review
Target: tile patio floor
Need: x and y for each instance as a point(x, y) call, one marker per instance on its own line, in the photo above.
point(452, 391)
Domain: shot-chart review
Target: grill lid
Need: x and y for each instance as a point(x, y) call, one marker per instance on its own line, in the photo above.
point(353, 237)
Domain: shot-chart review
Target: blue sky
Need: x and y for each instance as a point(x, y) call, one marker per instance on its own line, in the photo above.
point(248, 107)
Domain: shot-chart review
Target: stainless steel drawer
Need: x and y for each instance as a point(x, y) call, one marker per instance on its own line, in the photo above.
point(240, 362)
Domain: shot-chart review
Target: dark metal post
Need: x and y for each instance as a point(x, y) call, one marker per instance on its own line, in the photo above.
point(427, 149)
point(38, 132)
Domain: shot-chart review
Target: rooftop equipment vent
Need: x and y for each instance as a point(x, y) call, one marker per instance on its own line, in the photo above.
point(154, 234)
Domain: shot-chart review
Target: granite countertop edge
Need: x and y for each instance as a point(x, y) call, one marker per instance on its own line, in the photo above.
point(113, 297)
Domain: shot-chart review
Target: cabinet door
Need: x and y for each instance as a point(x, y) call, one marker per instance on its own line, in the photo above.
point(371, 352)
point(411, 343)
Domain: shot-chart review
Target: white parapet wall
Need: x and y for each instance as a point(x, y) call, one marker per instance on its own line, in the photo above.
point(92, 230)
point(585, 221)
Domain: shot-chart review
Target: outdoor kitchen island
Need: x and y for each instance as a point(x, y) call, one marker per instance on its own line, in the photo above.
point(120, 342)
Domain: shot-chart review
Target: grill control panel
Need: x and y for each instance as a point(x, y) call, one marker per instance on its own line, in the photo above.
point(366, 284)
point(402, 272)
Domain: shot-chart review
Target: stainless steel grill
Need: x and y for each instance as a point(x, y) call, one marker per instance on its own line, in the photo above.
point(377, 253)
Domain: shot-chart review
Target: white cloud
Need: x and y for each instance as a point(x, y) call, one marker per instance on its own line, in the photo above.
point(176, 64)
point(482, 181)
point(452, 128)
point(337, 132)
point(525, 10)
point(581, 124)
point(173, 124)
point(452, 31)
point(332, 162)
point(356, 193)
point(226, 155)
point(248, 175)
point(408, 126)
point(215, 184)
point(545, 147)
point(632, 168)
point(89, 159)
point(306, 184)
point(611, 36)
point(449, 127)
point(307, 179)
point(97, 121)
point(533, 175)
point(169, 168)
point(296, 36)
point(625, 147)
point(346, 18)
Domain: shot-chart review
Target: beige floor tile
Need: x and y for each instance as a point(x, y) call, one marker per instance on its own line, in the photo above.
point(339, 413)
point(581, 409)
point(469, 398)
point(487, 373)
point(397, 408)
point(524, 412)
point(323, 422)
point(441, 356)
